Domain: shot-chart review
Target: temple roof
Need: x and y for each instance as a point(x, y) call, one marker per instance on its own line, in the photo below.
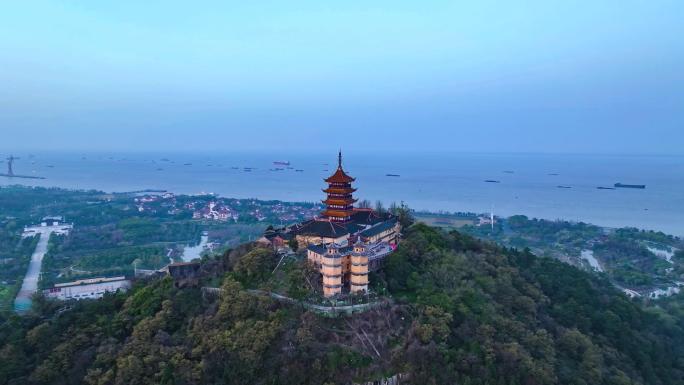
point(339, 190)
point(340, 177)
point(379, 228)
point(325, 228)
point(322, 228)
point(339, 201)
point(367, 216)
point(321, 249)
point(337, 213)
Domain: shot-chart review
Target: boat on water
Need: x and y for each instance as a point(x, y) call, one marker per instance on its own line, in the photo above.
point(187, 164)
point(394, 175)
point(622, 185)
point(509, 172)
point(564, 186)
point(282, 163)
point(492, 181)
point(605, 188)
point(552, 174)
point(299, 170)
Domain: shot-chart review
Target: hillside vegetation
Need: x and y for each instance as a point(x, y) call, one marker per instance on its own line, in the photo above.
point(461, 311)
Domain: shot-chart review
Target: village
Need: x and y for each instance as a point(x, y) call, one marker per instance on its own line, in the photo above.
point(213, 207)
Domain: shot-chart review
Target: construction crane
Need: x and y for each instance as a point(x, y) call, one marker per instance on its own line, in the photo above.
point(10, 170)
point(10, 161)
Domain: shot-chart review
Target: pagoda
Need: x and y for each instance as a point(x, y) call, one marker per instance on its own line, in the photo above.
point(345, 244)
point(340, 202)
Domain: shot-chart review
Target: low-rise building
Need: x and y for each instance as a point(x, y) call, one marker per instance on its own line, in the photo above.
point(92, 288)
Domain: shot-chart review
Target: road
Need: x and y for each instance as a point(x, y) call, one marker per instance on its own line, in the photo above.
point(332, 310)
point(30, 285)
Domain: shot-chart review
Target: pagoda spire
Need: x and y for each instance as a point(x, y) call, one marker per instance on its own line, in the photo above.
point(339, 159)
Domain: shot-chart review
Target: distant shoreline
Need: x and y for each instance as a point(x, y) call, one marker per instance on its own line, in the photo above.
point(459, 216)
point(432, 182)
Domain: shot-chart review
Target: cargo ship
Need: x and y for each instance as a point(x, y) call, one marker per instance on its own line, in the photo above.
point(622, 185)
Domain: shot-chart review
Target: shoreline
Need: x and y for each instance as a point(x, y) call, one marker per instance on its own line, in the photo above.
point(452, 214)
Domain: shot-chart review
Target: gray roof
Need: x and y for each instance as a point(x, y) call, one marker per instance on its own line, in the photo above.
point(379, 228)
point(322, 228)
point(322, 249)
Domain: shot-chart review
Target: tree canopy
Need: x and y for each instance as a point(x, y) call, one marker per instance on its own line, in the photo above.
point(460, 311)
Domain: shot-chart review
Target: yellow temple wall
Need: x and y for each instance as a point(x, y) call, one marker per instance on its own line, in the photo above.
point(306, 240)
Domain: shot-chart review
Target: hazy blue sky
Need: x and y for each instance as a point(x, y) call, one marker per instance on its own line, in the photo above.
point(552, 76)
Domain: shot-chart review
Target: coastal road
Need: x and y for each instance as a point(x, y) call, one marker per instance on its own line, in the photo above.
point(30, 285)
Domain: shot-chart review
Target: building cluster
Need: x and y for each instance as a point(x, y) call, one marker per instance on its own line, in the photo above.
point(150, 202)
point(345, 243)
point(214, 208)
point(216, 211)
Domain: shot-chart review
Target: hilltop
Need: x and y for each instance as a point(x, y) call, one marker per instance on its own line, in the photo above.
point(458, 310)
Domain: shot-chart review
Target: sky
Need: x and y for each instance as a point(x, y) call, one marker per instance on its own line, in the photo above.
point(452, 76)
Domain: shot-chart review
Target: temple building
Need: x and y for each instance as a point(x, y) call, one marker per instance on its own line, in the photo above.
point(345, 243)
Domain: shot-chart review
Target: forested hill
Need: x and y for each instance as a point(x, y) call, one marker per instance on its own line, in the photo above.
point(461, 312)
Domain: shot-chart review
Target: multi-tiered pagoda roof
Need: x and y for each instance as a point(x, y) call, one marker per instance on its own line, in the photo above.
point(340, 200)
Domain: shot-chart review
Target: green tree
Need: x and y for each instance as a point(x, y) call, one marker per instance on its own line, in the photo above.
point(294, 244)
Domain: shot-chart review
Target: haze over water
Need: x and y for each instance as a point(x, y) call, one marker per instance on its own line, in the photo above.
point(428, 181)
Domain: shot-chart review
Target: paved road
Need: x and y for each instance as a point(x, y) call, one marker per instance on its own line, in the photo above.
point(348, 309)
point(30, 285)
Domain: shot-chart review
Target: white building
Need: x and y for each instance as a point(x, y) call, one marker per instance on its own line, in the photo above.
point(52, 221)
point(87, 288)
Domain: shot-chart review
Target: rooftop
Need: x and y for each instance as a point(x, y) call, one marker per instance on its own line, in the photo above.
point(379, 228)
point(339, 176)
point(322, 249)
point(91, 281)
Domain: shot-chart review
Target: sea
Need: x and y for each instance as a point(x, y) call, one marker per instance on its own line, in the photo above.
point(440, 182)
